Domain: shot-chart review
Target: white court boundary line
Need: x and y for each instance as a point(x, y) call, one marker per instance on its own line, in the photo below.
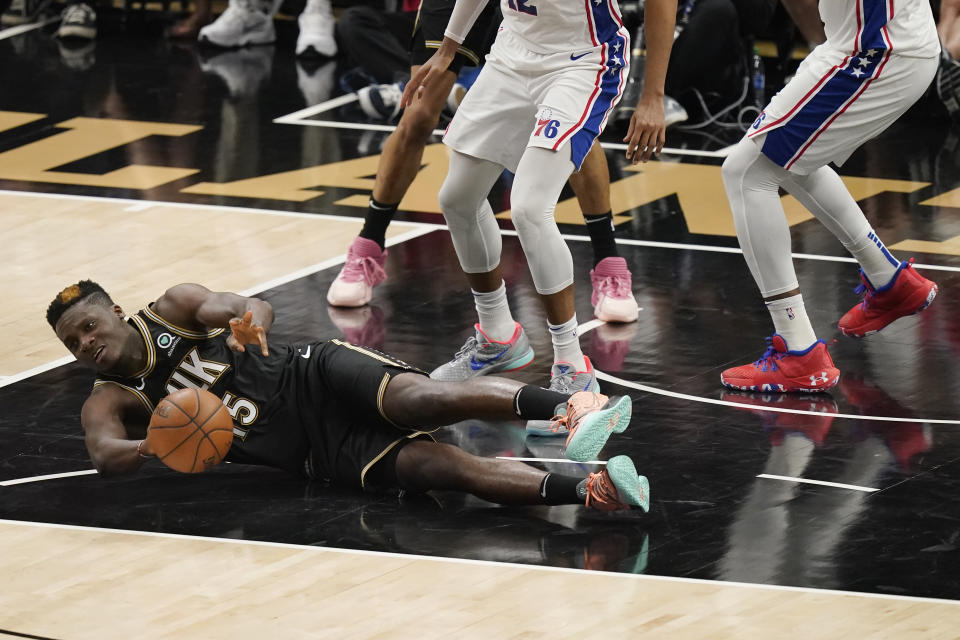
point(302, 118)
point(49, 476)
point(24, 28)
point(479, 563)
point(840, 485)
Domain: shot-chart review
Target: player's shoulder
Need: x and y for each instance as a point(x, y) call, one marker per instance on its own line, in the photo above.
point(179, 303)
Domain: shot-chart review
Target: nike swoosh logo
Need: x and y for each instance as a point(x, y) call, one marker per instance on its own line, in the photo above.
point(306, 354)
point(476, 366)
point(573, 57)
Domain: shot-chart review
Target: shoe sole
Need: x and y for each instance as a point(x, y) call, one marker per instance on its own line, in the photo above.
point(793, 385)
point(634, 489)
point(861, 333)
point(595, 429)
point(85, 33)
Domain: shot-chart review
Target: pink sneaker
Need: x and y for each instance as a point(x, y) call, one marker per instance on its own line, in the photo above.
point(363, 270)
point(612, 297)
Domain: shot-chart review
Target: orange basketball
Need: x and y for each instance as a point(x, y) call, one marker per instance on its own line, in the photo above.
point(190, 430)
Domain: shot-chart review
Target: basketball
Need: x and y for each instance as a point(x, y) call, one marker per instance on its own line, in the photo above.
point(190, 430)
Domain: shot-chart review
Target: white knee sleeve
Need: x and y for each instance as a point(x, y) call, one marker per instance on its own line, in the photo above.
point(540, 177)
point(752, 182)
point(463, 200)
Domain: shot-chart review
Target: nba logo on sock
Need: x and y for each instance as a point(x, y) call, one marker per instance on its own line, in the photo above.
point(790, 313)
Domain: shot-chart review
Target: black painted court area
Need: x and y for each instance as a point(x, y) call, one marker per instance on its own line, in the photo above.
point(711, 516)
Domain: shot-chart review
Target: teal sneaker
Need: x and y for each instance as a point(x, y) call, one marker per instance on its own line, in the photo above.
point(618, 487)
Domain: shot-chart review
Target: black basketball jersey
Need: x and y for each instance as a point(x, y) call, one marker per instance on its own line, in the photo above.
point(264, 394)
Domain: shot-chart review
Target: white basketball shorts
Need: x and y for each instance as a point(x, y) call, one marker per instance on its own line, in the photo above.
point(836, 102)
point(523, 98)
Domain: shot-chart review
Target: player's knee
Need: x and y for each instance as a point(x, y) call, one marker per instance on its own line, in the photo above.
point(526, 212)
point(735, 165)
point(417, 123)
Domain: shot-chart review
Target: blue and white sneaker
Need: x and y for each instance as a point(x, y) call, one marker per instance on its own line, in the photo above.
point(381, 101)
point(481, 356)
point(564, 379)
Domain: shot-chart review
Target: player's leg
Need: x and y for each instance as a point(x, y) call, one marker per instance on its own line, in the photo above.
point(426, 466)
point(398, 166)
point(500, 343)
point(612, 282)
point(536, 187)
point(796, 360)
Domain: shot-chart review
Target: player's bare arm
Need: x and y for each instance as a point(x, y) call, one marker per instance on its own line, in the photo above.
point(114, 423)
point(464, 14)
point(648, 132)
point(194, 306)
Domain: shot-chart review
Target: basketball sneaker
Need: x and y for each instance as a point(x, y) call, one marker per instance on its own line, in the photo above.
point(480, 356)
point(590, 419)
point(363, 270)
point(244, 22)
point(381, 101)
point(612, 297)
point(907, 293)
point(316, 30)
point(618, 487)
point(564, 379)
point(781, 370)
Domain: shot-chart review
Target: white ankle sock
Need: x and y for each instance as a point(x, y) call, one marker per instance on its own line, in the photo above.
point(494, 313)
point(791, 321)
point(877, 262)
point(566, 344)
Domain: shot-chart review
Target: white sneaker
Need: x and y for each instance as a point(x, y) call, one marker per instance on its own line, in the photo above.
point(381, 101)
point(673, 112)
point(316, 30)
point(242, 24)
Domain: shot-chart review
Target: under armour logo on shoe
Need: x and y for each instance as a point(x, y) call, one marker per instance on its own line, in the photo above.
point(816, 379)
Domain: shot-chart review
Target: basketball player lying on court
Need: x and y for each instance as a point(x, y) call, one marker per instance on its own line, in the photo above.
point(327, 410)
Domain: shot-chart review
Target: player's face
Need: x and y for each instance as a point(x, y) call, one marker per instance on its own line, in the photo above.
point(96, 335)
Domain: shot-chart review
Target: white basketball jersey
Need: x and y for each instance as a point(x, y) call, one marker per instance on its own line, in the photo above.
point(552, 26)
point(904, 26)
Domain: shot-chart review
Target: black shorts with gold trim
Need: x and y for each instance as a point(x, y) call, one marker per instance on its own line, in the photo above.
point(432, 22)
point(356, 444)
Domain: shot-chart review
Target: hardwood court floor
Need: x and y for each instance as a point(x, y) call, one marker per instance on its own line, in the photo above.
point(160, 163)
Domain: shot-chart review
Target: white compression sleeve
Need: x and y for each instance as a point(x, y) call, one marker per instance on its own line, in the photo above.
point(465, 13)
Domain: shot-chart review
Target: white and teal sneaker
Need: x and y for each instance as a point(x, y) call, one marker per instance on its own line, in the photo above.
point(591, 418)
point(564, 379)
point(481, 356)
point(618, 487)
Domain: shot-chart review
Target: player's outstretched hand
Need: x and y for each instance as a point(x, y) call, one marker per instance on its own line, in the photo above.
point(244, 331)
point(648, 130)
point(428, 72)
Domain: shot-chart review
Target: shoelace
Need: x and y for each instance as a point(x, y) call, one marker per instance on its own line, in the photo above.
point(768, 361)
point(366, 269)
point(614, 287)
point(601, 492)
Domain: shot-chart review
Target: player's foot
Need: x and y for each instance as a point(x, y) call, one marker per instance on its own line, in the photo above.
point(618, 487)
point(381, 101)
point(78, 21)
point(316, 30)
point(907, 293)
point(612, 297)
point(564, 379)
point(243, 23)
point(590, 419)
point(363, 270)
point(480, 356)
point(781, 370)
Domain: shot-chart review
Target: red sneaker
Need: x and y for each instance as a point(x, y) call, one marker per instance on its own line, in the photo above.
point(780, 370)
point(907, 293)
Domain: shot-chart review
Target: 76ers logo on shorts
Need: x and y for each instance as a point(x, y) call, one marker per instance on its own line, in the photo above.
point(756, 123)
point(546, 125)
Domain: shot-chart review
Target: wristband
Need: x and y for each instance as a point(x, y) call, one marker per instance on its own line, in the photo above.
point(140, 452)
